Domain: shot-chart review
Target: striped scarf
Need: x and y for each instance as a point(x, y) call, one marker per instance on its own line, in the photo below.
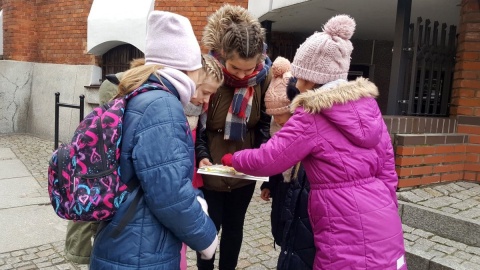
point(241, 107)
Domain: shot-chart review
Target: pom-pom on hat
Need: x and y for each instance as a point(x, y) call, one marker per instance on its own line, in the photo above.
point(171, 42)
point(276, 100)
point(325, 56)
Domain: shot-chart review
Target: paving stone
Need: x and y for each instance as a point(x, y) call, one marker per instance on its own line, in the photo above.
point(470, 213)
point(445, 249)
point(407, 228)
point(455, 186)
point(449, 210)
point(448, 242)
point(433, 192)
point(463, 255)
point(470, 265)
point(462, 206)
point(423, 244)
point(409, 196)
point(439, 202)
point(422, 233)
point(475, 259)
point(449, 261)
point(467, 185)
point(461, 196)
point(422, 194)
point(410, 237)
point(473, 250)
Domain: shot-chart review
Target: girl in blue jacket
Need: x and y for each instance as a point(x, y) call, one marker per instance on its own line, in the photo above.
point(157, 149)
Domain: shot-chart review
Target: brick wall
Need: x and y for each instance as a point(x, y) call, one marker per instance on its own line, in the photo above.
point(49, 31)
point(197, 11)
point(46, 31)
point(429, 158)
point(471, 125)
point(466, 84)
point(62, 31)
point(19, 35)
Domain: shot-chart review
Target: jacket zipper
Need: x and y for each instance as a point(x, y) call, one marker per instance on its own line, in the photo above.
point(216, 104)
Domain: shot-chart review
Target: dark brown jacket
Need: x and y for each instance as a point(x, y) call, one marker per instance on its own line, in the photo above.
point(210, 143)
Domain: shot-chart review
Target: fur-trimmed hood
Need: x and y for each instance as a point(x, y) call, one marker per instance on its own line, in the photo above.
point(350, 106)
point(219, 21)
point(325, 97)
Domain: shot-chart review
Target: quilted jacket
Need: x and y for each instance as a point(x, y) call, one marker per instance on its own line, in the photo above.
point(338, 133)
point(158, 148)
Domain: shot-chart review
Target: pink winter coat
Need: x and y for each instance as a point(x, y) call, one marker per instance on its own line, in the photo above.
point(339, 134)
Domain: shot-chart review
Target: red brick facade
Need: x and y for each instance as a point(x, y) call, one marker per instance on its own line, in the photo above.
point(49, 31)
point(466, 86)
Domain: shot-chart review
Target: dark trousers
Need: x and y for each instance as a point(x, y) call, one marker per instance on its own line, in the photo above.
point(227, 210)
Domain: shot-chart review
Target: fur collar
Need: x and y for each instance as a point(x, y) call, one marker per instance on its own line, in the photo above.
point(218, 23)
point(316, 100)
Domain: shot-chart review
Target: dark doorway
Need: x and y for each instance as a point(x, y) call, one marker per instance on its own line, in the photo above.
point(118, 59)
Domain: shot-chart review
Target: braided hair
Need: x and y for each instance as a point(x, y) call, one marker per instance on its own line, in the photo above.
point(247, 40)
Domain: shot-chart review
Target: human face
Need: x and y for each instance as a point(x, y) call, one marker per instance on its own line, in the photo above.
point(204, 90)
point(281, 119)
point(240, 67)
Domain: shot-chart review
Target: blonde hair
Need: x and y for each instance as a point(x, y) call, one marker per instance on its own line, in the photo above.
point(137, 62)
point(135, 77)
point(212, 67)
point(139, 73)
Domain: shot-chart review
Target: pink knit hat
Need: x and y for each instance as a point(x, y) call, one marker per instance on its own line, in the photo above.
point(276, 100)
point(171, 42)
point(325, 56)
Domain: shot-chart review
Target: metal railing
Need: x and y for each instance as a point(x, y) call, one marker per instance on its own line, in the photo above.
point(57, 112)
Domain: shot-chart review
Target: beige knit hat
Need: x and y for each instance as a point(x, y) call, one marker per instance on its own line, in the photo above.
point(276, 100)
point(325, 56)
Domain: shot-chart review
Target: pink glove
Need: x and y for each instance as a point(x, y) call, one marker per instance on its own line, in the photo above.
point(227, 160)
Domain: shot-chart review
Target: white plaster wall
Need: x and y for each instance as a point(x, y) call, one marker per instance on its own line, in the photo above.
point(27, 97)
point(15, 90)
point(69, 81)
point(109, 22)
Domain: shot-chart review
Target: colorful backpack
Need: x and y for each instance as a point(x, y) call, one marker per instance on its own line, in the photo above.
point(84, 182)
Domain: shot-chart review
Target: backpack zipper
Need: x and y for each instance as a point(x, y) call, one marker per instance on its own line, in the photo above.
point(102, 143)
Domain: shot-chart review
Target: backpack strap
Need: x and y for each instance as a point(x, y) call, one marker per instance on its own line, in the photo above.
point(132, 208)
point(134, 182)
point(131, 185)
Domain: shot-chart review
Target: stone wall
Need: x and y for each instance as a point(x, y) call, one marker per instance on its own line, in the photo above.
point(27, 91)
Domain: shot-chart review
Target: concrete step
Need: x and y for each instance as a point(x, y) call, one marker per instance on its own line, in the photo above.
point(449, 210)
point(428, 251)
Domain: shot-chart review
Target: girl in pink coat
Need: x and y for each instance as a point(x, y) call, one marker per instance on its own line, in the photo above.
point(338, 133)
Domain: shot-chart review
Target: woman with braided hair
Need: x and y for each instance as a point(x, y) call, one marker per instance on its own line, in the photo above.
point(236, 120)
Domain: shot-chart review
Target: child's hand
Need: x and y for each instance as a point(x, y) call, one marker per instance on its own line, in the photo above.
point(265, 195)
point(204, 162)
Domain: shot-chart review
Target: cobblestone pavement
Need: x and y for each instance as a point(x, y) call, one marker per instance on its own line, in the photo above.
point(459, 198)
point(257, 250)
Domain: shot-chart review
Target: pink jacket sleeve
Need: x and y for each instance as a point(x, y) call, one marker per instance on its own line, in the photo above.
point(288, 146)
